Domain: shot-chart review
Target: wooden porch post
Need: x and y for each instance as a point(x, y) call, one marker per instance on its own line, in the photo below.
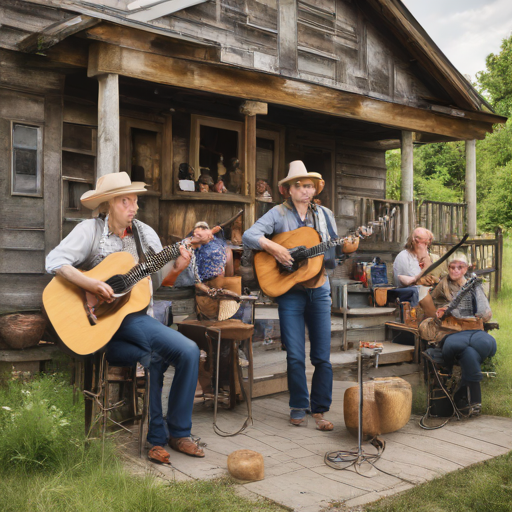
point(471, 185)
point(108, 125)
point(406, 191)
point(250, 109)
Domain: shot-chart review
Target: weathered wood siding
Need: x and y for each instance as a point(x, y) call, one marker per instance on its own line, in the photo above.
point(330, 42)
point(30, 93)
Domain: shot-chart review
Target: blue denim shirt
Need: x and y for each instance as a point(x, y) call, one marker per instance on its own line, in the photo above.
point(283, 218)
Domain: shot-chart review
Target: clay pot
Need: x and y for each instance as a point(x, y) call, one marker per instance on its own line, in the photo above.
point(22, 330)
point(246, 465)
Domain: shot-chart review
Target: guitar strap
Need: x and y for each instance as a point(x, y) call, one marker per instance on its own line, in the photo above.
point(332, 233)
point(330, 255)
point(138, 244)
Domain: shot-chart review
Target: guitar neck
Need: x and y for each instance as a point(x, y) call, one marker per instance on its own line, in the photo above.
point(321, 248)
point(154, 262)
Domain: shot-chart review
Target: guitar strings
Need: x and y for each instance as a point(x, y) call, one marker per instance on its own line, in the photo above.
point(123, 283)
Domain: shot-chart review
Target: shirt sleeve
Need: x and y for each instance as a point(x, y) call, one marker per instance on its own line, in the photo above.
point(399, 268)
point(74, 249)
point(265, 225)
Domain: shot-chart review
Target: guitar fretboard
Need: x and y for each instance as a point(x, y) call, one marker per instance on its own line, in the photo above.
point(154, 262)
point(321, 248)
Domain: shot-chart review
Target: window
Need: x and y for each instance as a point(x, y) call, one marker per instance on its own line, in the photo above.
point(216, 154)
point(26, 160)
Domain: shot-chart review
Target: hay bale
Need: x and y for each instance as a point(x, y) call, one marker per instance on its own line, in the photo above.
point(22, 330)
point(246, 465)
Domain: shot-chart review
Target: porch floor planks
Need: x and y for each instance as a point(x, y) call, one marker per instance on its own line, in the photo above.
point(295, 473)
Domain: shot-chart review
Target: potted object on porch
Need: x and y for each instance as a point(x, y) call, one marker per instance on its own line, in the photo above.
point(21, 329)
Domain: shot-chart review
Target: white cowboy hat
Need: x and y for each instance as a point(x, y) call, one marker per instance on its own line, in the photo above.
point(458, 256)
point(110, 186)
point(298, 171)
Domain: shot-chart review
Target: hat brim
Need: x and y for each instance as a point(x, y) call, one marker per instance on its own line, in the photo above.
point(314, 176)
point(92, 199)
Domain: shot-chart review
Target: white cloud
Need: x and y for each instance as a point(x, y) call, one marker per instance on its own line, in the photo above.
point(465, 30)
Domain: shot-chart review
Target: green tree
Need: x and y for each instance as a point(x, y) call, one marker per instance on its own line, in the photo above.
point(495, 83)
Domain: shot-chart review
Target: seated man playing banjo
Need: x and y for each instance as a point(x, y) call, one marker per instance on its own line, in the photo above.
point(140, 337)
point(308, 303)
point(464, 305)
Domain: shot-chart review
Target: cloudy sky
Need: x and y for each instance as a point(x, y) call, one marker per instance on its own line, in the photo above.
point(465, 30)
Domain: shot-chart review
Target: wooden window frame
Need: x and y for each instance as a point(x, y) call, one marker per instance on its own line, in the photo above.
point(196, 121)
point(40, 159)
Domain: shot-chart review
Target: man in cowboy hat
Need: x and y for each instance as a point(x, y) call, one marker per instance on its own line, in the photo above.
point(306, 304)
point(140, 337)
point(470, 348)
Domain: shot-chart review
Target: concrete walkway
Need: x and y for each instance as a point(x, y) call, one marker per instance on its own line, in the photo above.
point(295, 473)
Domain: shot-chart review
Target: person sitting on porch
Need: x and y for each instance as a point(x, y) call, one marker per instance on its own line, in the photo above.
point(408, 267)
point(213, 258)
point(468, 348)
point(306, 304)
point(140, 338)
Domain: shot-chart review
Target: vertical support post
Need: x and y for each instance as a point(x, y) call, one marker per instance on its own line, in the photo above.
point(250, 109)
point(108, 125)
point(406, 191)
point(471, 185)
point(250, 169)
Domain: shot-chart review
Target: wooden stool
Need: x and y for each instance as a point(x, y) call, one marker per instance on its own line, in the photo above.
point(233, 333)
point(98, 376)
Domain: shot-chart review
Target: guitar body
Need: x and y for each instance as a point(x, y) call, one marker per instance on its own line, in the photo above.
point(272, 280)
point(64, 305)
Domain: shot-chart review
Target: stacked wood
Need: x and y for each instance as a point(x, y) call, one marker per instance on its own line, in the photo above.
point(21, 330)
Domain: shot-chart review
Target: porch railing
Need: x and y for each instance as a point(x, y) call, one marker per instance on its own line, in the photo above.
point(485, 254)
point(446, 220)
point(385, 215)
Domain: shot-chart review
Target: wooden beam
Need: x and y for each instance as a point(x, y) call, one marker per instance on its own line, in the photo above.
point(235, 82)
point(53, 34)
point(152, 43)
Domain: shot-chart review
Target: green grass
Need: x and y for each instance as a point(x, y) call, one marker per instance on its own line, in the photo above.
point(485, 486)
point(480, 488)
point(47, 465)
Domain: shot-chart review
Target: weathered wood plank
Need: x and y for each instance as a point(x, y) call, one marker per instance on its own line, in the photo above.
point(56, 32)
point(22, 290)
point(153, 43)
point(246, 84)
point(29, 72)
point(21, 106)
point(21, 262)
point(287, 24)
point(22, 212)
point(21, 239)
point(78, 113)
point(52, 171)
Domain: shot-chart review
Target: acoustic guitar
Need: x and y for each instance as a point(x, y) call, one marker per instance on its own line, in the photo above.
point(85, 330)
point(307, 250)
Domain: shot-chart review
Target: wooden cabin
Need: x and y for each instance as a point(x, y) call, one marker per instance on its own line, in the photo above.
point(89, 88)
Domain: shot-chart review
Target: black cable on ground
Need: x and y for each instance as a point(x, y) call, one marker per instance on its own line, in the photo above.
point(345, 459)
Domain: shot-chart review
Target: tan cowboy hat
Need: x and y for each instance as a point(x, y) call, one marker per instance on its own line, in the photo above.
point(298, 171)
point(110, 186)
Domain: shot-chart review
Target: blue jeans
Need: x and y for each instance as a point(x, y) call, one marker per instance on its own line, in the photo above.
point(309, 307)
point(143, 339)
point(470, 348)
